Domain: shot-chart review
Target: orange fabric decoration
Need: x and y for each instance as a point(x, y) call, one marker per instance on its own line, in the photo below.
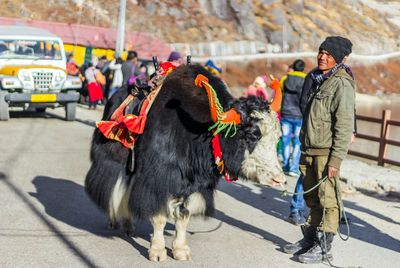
point(224, 121)
point(124, 128)
point(231, 116)
point(166, 68)
point(203, 80)
point(277, 101)
point(217, 115)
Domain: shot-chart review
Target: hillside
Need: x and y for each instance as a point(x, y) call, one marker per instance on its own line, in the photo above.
point(292, 25)
point(295, 25)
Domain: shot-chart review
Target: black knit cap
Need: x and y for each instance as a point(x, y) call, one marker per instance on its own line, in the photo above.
point(337, 46)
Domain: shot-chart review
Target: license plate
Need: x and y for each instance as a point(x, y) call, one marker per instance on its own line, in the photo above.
point(43, 98)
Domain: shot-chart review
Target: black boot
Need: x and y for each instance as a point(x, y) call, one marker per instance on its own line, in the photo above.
point(320, 251)
point(304, 244)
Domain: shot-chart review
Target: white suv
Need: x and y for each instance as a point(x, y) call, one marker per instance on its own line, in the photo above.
point(33, 72)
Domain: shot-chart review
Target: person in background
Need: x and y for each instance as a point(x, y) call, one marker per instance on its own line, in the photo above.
point(175, 58)
point(108, 73)
point(258, 88)
point(143, 76)
point(291, 117)
point(280, 150)
point(325, 138)
point(102, 64)
point(72, 67)
point(130, 68)
point(117, 76)
point(83, 90)
point(94, 79)
point(143, 71)
point(291, 121)
point(213, 68)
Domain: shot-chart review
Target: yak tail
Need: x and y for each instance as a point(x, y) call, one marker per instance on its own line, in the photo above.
point(118, 208)
point(106, 184)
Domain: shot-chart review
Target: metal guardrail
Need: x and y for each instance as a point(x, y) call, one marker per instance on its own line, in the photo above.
point(249, 50)
point(383, 138)
point(219, 48)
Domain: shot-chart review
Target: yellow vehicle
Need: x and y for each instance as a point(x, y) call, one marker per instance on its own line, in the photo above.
point(33, 72)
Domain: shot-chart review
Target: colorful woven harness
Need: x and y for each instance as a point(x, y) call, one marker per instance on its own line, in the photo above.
point(124, 128)
point(224, 121)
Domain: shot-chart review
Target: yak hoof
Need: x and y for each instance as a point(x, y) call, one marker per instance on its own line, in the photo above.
point(182, 254)
point(112, 225)
point(127, 228)
point(157, 254)
point(129, 232)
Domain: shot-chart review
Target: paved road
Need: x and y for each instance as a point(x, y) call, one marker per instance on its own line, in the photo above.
point(46, 220)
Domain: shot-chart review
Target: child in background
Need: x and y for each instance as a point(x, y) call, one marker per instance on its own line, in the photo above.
point(258, 88)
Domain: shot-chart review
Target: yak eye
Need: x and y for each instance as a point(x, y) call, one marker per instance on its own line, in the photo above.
point(252, 138)
point(257, 133)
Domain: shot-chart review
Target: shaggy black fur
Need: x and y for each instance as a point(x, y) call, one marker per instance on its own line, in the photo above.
point(109, 158)
point(173, 156)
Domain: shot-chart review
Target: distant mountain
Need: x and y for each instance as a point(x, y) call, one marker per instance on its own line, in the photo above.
point(294, 25)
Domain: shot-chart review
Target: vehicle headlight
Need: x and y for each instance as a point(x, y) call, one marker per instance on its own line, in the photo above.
point(59, 76)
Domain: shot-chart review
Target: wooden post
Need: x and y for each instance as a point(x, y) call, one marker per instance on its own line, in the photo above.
point(383, 136)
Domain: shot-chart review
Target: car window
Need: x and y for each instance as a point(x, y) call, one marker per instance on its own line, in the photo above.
point(30, 49)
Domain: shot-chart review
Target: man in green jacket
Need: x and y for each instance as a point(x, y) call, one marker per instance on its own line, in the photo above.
point(325, 137)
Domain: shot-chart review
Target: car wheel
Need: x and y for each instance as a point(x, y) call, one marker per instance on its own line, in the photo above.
point(70, 111)
point(4, 113)
point(40, 109)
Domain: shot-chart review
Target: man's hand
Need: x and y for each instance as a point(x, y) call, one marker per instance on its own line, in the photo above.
point(332, 172)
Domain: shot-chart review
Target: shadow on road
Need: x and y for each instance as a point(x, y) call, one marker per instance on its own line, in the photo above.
point(29, 114)
point(54, 229)
point(362, 230)
point(219, 215)
point(271, 202)
point(352, 205)
point(67, 201)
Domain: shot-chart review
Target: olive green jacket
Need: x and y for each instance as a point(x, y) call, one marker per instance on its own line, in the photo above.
point(329, 118)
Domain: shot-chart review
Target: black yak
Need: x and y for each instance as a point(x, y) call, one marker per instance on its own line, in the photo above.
point(175, 174)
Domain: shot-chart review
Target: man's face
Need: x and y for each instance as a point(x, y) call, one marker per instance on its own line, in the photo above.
point(325, 61)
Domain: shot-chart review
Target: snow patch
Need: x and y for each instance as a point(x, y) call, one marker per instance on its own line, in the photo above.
point(370, 177)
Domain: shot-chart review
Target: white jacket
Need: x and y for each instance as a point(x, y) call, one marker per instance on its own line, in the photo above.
point(117, 77)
